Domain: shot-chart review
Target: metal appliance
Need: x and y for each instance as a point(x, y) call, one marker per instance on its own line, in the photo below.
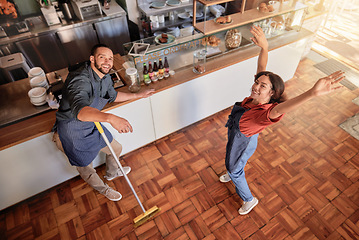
point(50, 15)
point(85, 9)
point(66, 8)
point(15, 28)
point(2, 32)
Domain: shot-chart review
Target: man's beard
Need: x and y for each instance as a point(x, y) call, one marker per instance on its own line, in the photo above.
point(98, 67)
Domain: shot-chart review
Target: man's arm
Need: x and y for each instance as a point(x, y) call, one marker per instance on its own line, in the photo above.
point(121, 96)
point(90, 114)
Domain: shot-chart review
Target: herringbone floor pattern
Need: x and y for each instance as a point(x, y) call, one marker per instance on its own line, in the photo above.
point(305, 174)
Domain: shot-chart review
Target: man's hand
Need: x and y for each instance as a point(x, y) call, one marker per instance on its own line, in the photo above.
point(120, 124)
point(121, 96)
point(146, 93)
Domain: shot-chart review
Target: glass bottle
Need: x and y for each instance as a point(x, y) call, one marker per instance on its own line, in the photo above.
point(160, 69)
point(150, 71)
point(146, 76)
point(155, 71)
point(166, 73)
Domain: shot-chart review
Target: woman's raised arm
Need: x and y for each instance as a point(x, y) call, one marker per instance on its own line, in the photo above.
point(323, 86)
point(260, 40)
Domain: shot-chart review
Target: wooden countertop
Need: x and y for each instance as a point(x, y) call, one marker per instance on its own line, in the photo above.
point(39, 125)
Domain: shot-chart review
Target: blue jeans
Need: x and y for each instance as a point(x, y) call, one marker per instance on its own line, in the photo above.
point(238, 175)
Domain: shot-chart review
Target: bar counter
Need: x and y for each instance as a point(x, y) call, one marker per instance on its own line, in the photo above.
point(39, 125)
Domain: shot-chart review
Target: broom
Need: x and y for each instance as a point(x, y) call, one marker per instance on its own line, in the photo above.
point(146, 215)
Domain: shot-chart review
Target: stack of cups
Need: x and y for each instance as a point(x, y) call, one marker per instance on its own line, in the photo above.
point(38, 78)
point(154, 21)
point(39, 85)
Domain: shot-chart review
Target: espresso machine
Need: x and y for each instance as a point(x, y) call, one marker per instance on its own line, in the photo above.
point(49, 12)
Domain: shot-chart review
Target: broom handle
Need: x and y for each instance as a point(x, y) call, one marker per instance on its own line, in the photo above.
point(100, 129)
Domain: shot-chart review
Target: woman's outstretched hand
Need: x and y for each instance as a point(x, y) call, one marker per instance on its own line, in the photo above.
point(327, 84)
point(259, 38)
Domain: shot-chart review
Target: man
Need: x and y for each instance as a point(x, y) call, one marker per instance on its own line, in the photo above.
point(86, 91)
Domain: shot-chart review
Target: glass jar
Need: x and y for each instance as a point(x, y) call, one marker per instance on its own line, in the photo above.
point(199, 61)
point(233, 39)
point(132, 75)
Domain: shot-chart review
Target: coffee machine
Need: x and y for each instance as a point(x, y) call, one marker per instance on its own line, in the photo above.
point(85, 9)
point(49, 12)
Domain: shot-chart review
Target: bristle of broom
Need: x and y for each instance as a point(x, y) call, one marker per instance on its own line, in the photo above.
point(144, 217)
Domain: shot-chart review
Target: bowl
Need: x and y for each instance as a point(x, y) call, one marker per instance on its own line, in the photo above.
point(37, 95)
point(39, 81)
point(36, 71)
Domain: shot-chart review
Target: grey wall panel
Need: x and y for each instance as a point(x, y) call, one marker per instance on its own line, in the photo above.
point(77, 43)
point(113, 33)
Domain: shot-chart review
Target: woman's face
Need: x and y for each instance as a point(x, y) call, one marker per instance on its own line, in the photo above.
point(262, 90)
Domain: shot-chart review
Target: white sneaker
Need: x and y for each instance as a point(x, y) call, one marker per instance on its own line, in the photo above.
point(112, 194)
point(248, 206)
point(224, 178)
point(118, 173)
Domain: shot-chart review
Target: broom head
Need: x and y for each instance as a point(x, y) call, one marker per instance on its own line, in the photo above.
point(139, 220)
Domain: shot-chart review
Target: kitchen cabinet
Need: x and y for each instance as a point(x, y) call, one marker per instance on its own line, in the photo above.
point(77, 43)
point(139, 115)
point(192, 101)
point(36, 165)
point(44, 51)
point(114, 33)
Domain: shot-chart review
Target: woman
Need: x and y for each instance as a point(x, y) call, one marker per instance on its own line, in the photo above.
point(265, 106)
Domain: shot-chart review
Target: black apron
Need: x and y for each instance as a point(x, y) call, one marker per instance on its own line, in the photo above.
point(81, 140)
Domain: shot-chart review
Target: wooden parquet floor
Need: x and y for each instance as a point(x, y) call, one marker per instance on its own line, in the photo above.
point(305, 174)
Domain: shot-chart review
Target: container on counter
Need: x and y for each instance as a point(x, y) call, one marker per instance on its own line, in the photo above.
point(37, 96)
point(39, 81)
point(199, 61)
point(132, 75)
point(36, 71)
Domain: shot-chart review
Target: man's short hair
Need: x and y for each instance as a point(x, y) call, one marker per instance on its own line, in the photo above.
point(94, 48)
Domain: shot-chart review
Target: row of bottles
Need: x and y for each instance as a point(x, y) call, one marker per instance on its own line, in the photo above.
point(157, 72)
